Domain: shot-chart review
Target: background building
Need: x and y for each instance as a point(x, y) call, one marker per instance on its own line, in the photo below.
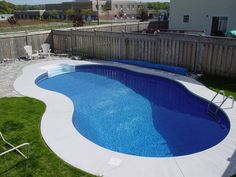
point(125, 8)
point(76, 6)
point(29, 14)
point(108, 9)
point(4, 17)
point(213, 17)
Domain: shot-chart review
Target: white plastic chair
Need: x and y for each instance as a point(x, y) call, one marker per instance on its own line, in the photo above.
point(46, 51)
point(29, 51)
point(15, 148)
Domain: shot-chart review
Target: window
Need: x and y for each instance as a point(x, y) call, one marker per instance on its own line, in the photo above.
point(128, 7)
point(219, 26)
point(132, 7)
point(186, 19)
point(222, 24)
point(116, 6)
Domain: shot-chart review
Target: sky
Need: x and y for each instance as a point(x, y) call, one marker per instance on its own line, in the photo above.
point(58, 1)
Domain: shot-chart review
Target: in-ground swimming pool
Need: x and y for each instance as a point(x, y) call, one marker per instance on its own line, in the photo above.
point(138, 114)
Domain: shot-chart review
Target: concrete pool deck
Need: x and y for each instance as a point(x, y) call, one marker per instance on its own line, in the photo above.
point(61, 136)
point(10, 70)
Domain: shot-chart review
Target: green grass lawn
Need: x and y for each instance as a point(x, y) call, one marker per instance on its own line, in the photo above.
point(218, 83)
point(20, 123)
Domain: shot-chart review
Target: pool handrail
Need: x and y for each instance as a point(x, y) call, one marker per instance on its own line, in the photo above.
point(225, 98)
point(219, 92)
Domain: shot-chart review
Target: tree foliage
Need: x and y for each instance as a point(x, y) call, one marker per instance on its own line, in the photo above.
point(86, 11)
point(69, 12)
point(53, 13)
point(6, 8)
point(143, 14)
point(159, 5)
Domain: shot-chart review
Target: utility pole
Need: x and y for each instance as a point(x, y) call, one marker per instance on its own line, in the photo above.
point(97, 12)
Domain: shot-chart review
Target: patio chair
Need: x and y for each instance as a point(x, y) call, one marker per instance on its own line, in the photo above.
point(14, 148)
point(46, 51)
point(29, 51)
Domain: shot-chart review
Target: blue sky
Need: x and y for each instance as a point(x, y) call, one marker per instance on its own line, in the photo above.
point(58, 1)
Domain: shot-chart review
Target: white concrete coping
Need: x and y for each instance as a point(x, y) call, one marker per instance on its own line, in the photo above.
point(60, 135)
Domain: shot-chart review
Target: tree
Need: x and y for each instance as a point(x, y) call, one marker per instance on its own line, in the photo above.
point(6, 8)
point(158, 5)
point(86, 11)
point(53, 14)
point(143, 14)
point(69, 12)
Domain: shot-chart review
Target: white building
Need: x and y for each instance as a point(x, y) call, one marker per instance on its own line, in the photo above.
point(4, 17)
point(211, 16)
point(116, 7)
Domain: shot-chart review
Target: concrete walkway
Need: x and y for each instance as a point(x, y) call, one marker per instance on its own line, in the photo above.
point(9, 71)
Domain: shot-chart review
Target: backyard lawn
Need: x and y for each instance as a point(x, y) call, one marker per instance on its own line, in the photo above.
point(20, 123)
point(217, 83)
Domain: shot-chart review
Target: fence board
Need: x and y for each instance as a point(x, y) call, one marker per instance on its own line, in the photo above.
point(233, 65)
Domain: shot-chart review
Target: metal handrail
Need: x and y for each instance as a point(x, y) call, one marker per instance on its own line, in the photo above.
point(232, 98)
point(15, 148)
point(221, 105)
point(219, 92)
point(226, 98)
point(232, 105)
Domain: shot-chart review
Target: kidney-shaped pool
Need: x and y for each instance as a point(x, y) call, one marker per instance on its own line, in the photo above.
point(136, 113)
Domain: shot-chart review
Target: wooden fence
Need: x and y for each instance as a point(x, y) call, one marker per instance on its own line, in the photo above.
point(12, 45)
point(216, 56)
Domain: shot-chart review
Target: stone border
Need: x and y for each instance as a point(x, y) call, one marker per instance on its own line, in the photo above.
point(62, 138)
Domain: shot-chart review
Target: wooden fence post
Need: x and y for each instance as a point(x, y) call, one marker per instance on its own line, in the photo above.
point(138, 26)
point(94, 36)
point(26, 37)
point(71, 42)
point(199, 55)
point(126, 48)
point(52, 41)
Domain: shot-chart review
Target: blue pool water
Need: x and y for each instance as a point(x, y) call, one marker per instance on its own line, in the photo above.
point(138, 114)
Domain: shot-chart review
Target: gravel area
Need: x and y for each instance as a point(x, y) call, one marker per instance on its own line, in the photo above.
point(10, 70)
